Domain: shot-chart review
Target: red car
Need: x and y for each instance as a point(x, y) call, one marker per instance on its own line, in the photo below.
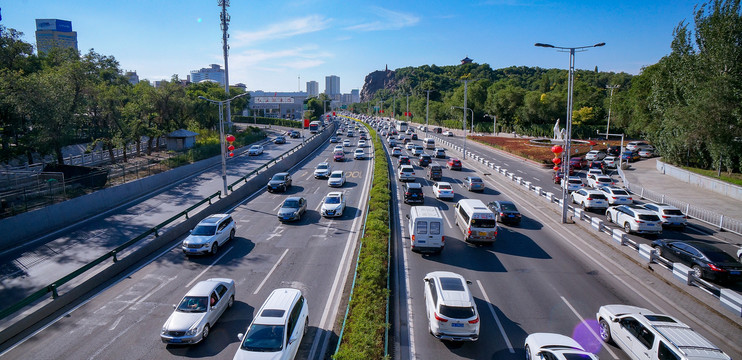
point(571, 169)
point(558, 175)
point(577, 162)
point(339, 156)
point(454, 164)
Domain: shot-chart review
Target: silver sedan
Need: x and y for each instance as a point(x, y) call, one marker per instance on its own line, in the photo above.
point(198, 311)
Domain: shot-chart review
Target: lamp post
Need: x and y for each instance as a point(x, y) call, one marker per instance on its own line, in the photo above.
point(568, 135)
point(610, 104)
point(221, 133)
point(464, 123)
point(427, 112)
point(494, 123)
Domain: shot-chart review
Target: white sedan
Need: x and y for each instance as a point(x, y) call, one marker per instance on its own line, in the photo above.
point(255, 150)
point(346, 142)
point(361, 143)
point(333, 205)
point(443, 190)
point(336, 179)
point(410, 146)
point(590, 199)
point(598, 181)
point(555, 346)
point(396, 151)
point(447, 133)
point(197, 311)
point(359, 154)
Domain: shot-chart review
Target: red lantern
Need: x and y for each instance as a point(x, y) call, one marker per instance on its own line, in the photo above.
point(556, 149)
point(231, 154)
point(556, 167)
point(230, 147)
point(556, 160)
point(231, 138)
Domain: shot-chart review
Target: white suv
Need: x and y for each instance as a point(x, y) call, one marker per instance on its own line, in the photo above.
point(323, 170)
point(634, 219)
point(333, 205)
point(209, 234)
point(617, 196)
point(406, 173)
point(449, 305)
point(645, 335)
point(589, 199)
point(670, 215)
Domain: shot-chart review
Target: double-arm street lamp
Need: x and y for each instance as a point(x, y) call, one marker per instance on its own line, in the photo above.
point(221, 133)
point(464, 124)
point(568, 135)
point(494, 123)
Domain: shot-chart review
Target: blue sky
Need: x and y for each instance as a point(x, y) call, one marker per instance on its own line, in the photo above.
point(273, 43)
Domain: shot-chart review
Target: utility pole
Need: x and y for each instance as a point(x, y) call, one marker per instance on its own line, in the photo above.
point(427, 112)
point(224, 16)
point(407, 112)
point(610, 104)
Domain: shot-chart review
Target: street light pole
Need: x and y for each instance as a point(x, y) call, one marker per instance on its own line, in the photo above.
point(568, 135)
point(494, 123)
point(427, 112)
point(221, 134)
point(224, 17)
point(610, 104)
point(464, 123)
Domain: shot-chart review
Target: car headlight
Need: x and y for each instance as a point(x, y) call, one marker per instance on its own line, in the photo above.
point(192, 331)
point(164, 330)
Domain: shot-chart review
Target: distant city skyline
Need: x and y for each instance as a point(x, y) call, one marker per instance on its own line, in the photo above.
point(274, 43)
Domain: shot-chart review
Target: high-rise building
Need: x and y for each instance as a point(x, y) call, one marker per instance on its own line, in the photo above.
point(213, 73)
point(54, 33)
point(312, 88)
point(355, 96)
point(133, 77)
point(332, 86)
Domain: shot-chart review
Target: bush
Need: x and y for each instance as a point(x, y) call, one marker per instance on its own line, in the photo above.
point(207, 145)
point(363, 337)
point(268, 121)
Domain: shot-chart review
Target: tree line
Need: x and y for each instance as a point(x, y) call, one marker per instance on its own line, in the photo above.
point(689, 104)
point(60, 98)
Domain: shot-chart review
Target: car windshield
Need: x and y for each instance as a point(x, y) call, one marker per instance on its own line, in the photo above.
point(255, 147)
point(336, 175)
point(508, 207)
point(195, 304)
point(263, 338)
point(204, 230)
point(457, 312)
point(278, 177)
point(322, 166)
point(291, 204)
point(332, 200)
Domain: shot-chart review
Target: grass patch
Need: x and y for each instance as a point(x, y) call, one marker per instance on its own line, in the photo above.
point(363, 337)
point(732, 178)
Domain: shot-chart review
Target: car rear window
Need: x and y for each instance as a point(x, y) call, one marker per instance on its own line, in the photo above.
point(484, 223)
point(575, 181)
point(673, 212)
point(476, 180)
point(649, 217)
point(597, 196)
point(457, 312)
point(421, 227)
point(444, 187)
point(415, 190)
point(508, 207)
point(620, 192)
point(719, 256)
point(435, 228)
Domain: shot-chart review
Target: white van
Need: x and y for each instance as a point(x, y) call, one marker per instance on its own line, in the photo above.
point(476, 221)
point(429, 143)
point(426, 229)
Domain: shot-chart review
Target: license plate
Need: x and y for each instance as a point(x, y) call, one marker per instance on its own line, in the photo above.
point(482, 233)
point(511, 215)
point(192, 250)
point(650, 224)
point(421, 241)
point(457, 325)
point(735, 272)
point(175, 340)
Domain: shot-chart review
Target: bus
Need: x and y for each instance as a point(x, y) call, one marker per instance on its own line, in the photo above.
point(314, 127)
point(401, 126)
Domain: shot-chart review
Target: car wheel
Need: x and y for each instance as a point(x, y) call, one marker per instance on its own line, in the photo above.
point(583, 206)
point(627, 228)
point(205, 333)
point(658, 250)
point(608, 217)
point(231, 302)
point(231, 235)
point(697, 271)
point(605, 331)
point(306, 328)
point(214, 248)
point(528, 352)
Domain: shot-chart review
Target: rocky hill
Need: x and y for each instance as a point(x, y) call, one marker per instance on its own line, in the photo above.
point(377, 80)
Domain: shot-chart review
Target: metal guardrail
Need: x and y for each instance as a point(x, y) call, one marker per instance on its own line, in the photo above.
point(707, 216)
point(52, 288)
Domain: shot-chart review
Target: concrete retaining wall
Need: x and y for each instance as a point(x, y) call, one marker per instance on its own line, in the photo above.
point(111, 269)
point(730, 190)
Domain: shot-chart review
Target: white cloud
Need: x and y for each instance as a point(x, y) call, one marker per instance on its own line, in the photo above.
point(388, 20)
point(305, 57)
point(308, 24)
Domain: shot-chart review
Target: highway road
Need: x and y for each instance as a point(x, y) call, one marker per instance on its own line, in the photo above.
point(540, 276)
point(314, 255)
point(41, 261)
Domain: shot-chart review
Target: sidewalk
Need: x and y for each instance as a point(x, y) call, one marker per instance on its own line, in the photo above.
point(644, 173)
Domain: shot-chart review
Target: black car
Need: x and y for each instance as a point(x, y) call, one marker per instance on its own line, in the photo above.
point(280, 139)
point(404, 160)
point(295, 134)
point(706, 261)
point(423, 160)
point(279, 182)
point(413, 193)
point(414, 136)
point(505, 211)
point(613, 150)
point(597, 165)
point(435, 172)
point(292, 209)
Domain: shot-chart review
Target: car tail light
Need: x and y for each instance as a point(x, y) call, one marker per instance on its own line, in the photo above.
point(715, 268)
point(413, 237)
point(474, 321)
point(665, 217)
point(407, 193)
point(639, 222)
point(614, 198)
point(443, 238)
point(439, 318)
point(468, 231)
point(502, 214)
point(588, 199)
point(631, 199)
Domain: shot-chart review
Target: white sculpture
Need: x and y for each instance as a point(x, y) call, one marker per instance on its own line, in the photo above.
point(558, 134)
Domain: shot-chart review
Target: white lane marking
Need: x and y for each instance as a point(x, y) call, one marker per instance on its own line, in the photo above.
point(278, 206)
point(446, 218)
point(499, 324)
point(582, 320)
point(158, 288)
point(506, 164)
point(116, 323)
point(520, 171)
point(318, 205)
point(410, 327)
point(270, 272)
point(342, 272)
point(209, 267)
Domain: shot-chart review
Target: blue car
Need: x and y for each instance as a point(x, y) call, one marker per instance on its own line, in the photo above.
point(630, 156)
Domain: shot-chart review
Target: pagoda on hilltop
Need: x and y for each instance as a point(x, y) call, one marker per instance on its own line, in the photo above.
point(466, 60)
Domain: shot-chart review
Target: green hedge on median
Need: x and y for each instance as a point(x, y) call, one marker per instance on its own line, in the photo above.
point(363, 338)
